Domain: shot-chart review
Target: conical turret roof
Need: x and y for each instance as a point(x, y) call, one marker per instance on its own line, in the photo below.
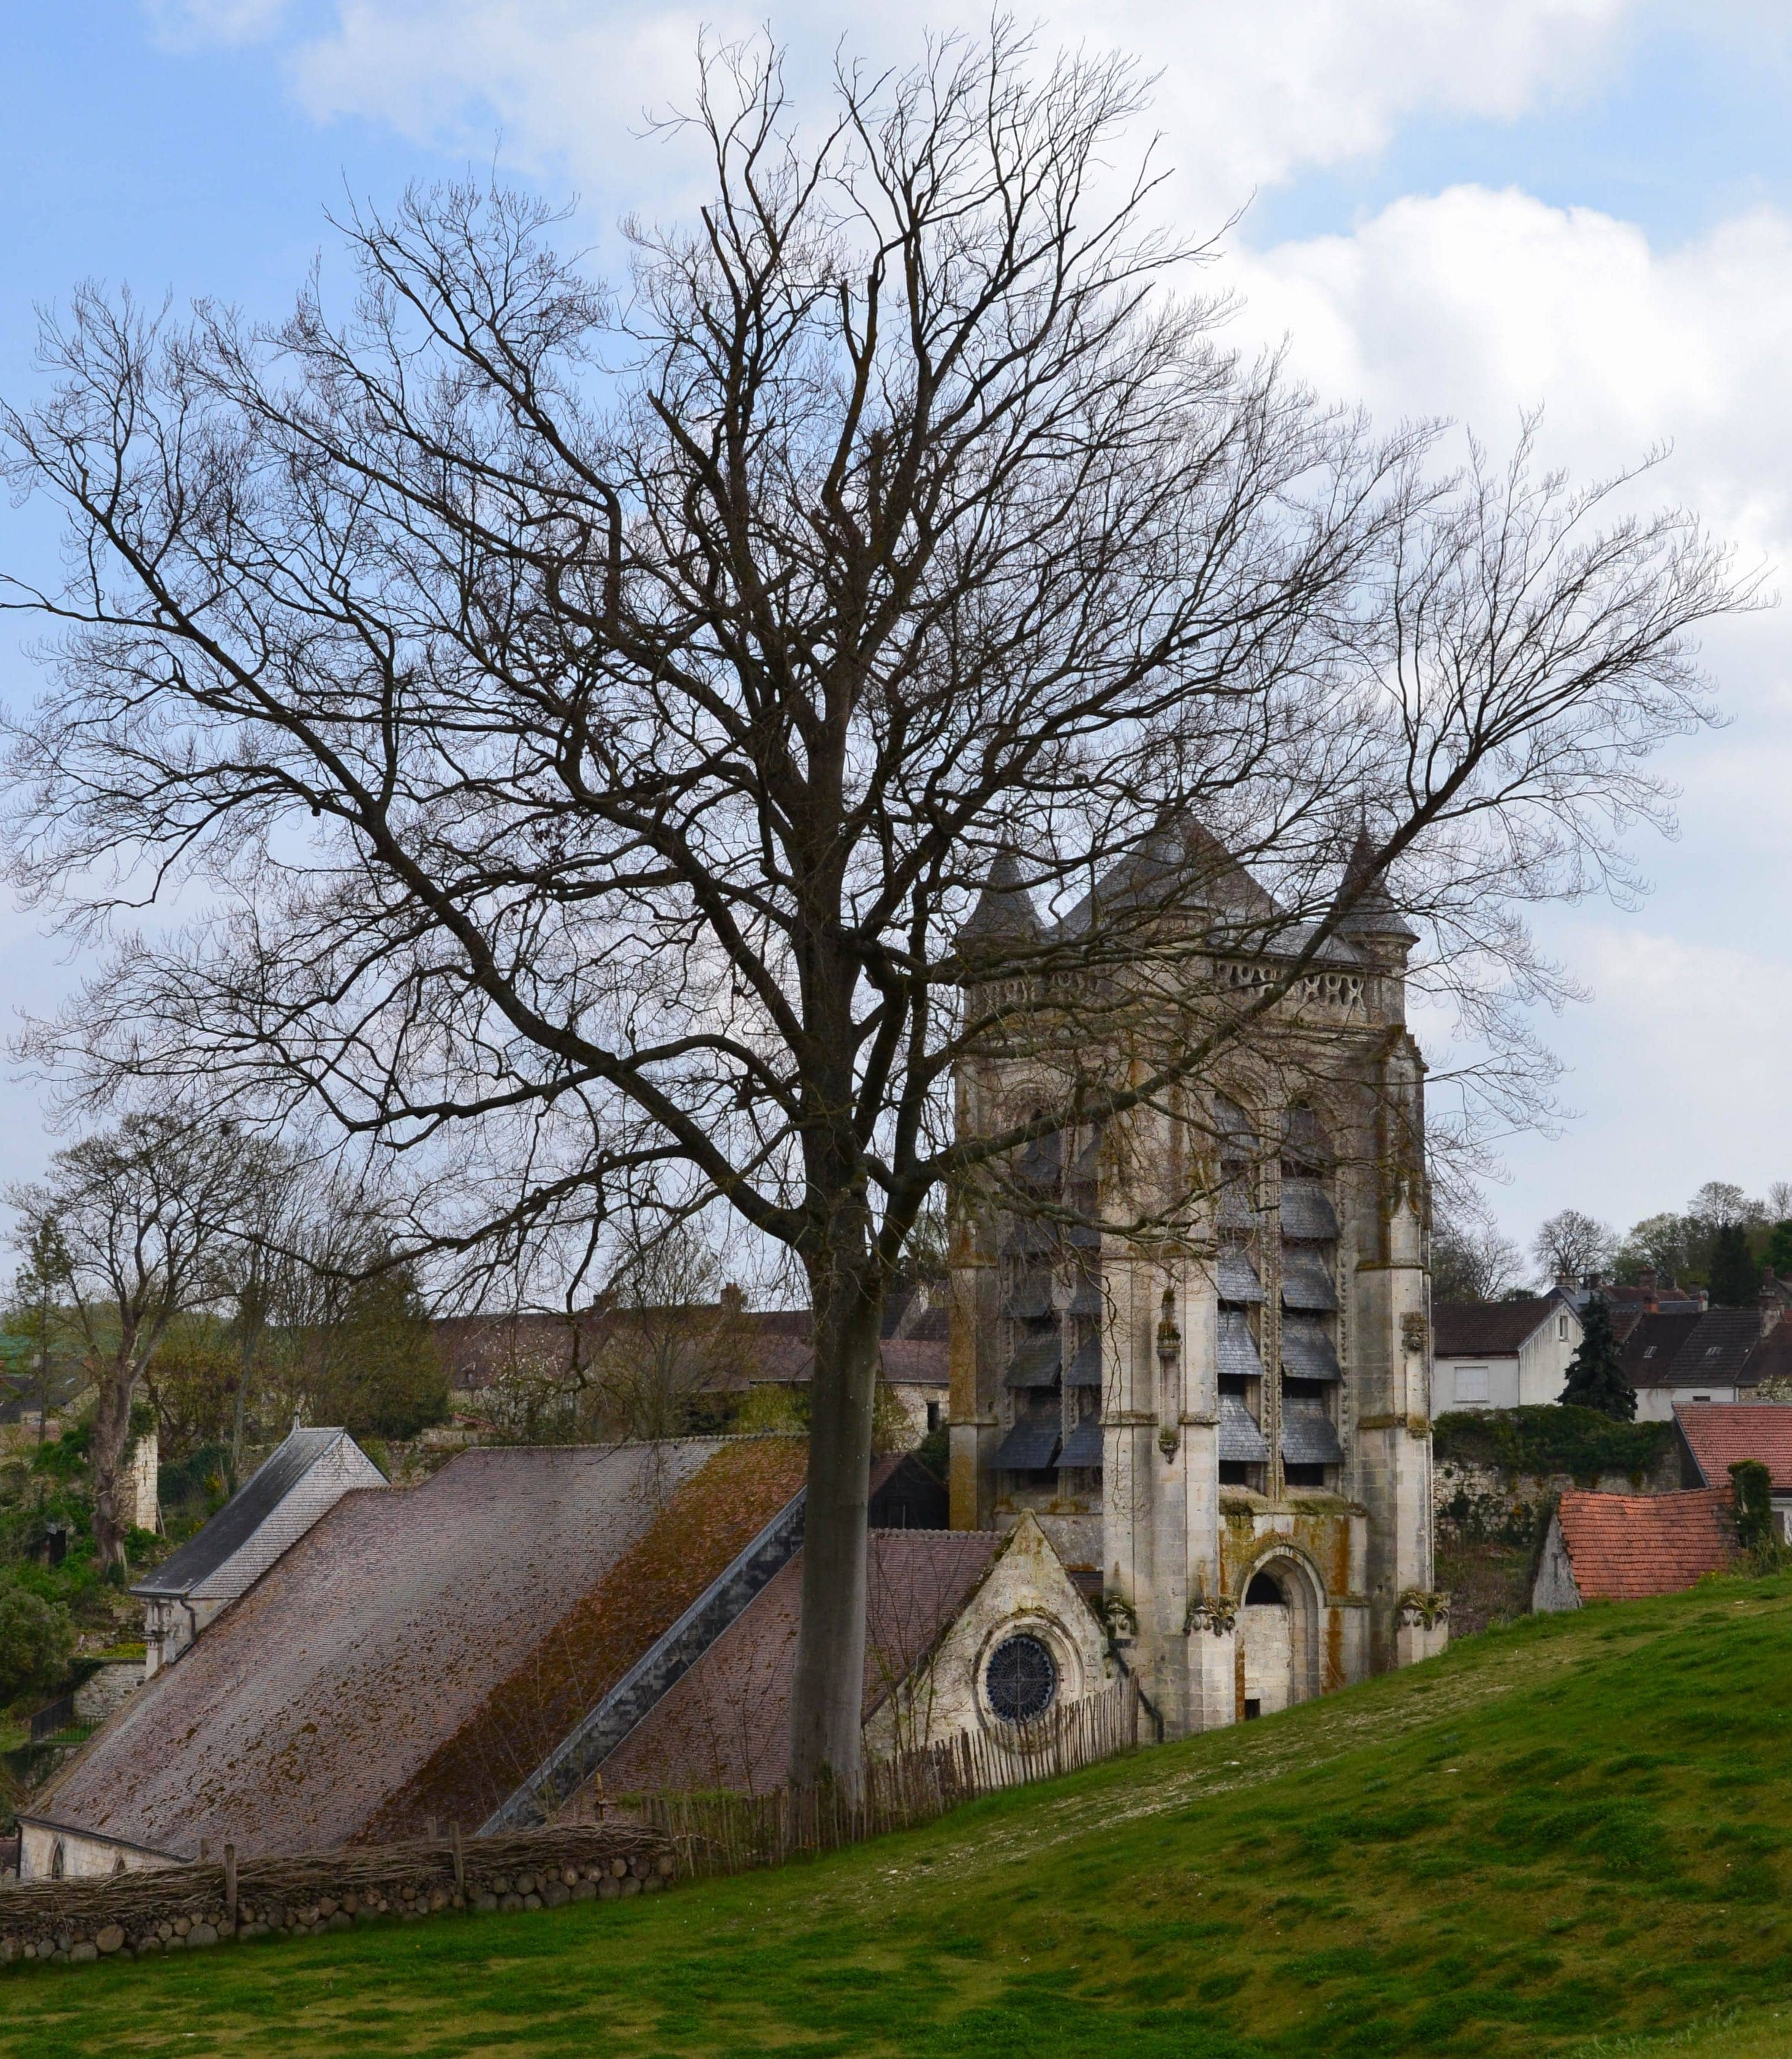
point(1373, 913)
point(1005, 909)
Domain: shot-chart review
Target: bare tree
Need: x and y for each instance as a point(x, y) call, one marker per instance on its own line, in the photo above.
point(1569, 1245)
point(594, 720)
point(1471, 1260)
point(664, 1342)
point(142, 1216)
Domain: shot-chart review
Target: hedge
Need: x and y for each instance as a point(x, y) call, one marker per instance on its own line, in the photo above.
point(1549, 1438)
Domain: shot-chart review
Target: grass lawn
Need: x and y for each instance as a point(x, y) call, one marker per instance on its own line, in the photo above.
point(1569, 1835)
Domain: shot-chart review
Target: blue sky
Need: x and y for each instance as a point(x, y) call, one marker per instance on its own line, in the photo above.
point(1466, 206)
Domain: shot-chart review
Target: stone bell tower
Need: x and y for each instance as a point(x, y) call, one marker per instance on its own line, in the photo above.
point(1224, 1433)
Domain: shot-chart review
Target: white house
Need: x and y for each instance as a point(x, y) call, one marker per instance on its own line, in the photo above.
point(299, 1482)
point(1502, 1354)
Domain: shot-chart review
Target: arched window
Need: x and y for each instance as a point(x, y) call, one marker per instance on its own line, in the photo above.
point(1265, 1591)
point(1306, 1148)
point(1020, 1679)
point(58, 1859)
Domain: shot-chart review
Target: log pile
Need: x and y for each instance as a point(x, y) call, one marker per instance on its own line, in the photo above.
point(188, 1908)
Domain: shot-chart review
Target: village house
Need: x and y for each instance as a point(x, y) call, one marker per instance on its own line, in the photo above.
point(1676, 1360)
point(726, 1352)
point(1502, 1354)
point(298, 1484)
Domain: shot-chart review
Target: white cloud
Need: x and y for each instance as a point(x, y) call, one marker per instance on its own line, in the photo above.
point(1249, 95)
point(1478, 304)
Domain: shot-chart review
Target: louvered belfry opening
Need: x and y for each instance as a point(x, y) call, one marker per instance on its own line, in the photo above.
point(1051, 1314)
point(1033, 1333)
point(1243, 1454)
point(1312, 1381)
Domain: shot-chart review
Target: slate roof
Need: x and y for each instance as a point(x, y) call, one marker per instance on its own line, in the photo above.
point(418, 1651)
point(1718, 1434)
point(1688, 1351)
point(1306, 1350)
point(726, 1723)
point(1487, 1329)
point(185, 1571)
point(1622, 1546)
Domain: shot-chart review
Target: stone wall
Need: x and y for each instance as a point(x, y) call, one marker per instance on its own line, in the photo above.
point(1482, 1504)
point(189, 1908)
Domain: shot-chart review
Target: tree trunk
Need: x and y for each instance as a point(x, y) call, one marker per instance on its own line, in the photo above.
point(111, 1441)
point(826, 1705)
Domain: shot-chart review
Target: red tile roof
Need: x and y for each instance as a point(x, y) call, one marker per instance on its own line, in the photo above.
point(1719, 1433)
point(1622, 1546)
point(726, 1723)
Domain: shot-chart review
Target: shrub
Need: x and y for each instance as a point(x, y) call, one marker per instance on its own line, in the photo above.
point(1551, 1437)
point(37, 1642)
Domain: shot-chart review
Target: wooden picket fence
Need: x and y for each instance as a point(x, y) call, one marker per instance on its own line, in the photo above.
point(714, 1832)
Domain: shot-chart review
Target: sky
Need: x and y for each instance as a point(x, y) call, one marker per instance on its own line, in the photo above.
point(1459, 207)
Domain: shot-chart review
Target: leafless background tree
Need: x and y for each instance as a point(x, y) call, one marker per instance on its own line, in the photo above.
point(591, 718)
point(1470, 1259)
point(1571, 1244)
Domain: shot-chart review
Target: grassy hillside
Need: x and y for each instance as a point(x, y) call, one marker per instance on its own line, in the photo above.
point(1571, 1835)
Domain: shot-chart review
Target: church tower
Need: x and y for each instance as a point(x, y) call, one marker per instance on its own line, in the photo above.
point(1222, 1425)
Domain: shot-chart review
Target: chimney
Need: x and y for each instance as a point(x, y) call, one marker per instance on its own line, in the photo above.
point(733, 1300)
point(1768, 1301)
point(1646, 1279)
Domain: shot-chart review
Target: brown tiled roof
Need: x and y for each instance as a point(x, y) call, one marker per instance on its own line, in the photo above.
point(1719, 1433)
point(757, 1344)
point(1623, 1546)
point(414, 1649)
point(1486, 1329)
point(726, 1723)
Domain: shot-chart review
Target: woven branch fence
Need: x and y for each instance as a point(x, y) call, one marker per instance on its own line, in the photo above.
point(723, 1834)
point(209, 1901)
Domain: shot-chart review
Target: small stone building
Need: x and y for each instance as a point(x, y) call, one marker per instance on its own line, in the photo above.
point(1622, 1546)
point(295, 1487)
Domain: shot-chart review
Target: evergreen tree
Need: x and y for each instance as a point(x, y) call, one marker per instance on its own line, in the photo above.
point(1779, 1247)
point(1595, 1378)
point(1734, 1277)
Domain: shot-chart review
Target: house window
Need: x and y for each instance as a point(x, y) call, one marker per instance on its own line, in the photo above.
point(1472, 1383)
point(1562, 1328)
point(1650, 1352)
point(932, 1416)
